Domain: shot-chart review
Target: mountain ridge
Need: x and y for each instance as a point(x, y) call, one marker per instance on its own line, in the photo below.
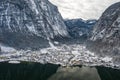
point(105, 40)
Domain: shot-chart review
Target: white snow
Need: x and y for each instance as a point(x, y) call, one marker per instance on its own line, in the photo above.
point(14, 62)
point(55, 42)
point(75, 53)
point(31, 28)
point(52, 45)
point(6, 48)
point(43, 51)
point(34, 7)
point(107, 59)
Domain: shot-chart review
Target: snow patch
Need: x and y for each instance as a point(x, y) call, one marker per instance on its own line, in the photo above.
point(6, 48)
point(34, 7)
point(43, 51)
point(75, 53)
point(107, 59)
point(14, 62)
point(55, 42)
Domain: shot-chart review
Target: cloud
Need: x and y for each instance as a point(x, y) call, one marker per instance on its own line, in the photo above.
point(86, 9)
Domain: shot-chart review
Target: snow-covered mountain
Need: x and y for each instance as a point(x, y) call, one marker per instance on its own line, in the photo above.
point(80, 28)
point(106, 33)
point(29, 23)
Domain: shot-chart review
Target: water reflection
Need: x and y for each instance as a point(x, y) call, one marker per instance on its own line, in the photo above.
point(76, 73)
point(36, 71)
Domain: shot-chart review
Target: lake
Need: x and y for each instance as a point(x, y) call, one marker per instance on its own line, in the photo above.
point(37, 71)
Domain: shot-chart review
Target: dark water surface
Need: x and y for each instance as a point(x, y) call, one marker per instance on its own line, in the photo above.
point(37, 71)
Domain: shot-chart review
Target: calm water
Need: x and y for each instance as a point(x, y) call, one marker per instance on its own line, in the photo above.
point(36, 71)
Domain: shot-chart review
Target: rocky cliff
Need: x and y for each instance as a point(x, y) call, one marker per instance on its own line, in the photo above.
point(29, 23)
point(106, 33)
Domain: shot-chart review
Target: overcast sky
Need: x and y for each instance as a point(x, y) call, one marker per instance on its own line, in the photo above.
point(85, 9)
